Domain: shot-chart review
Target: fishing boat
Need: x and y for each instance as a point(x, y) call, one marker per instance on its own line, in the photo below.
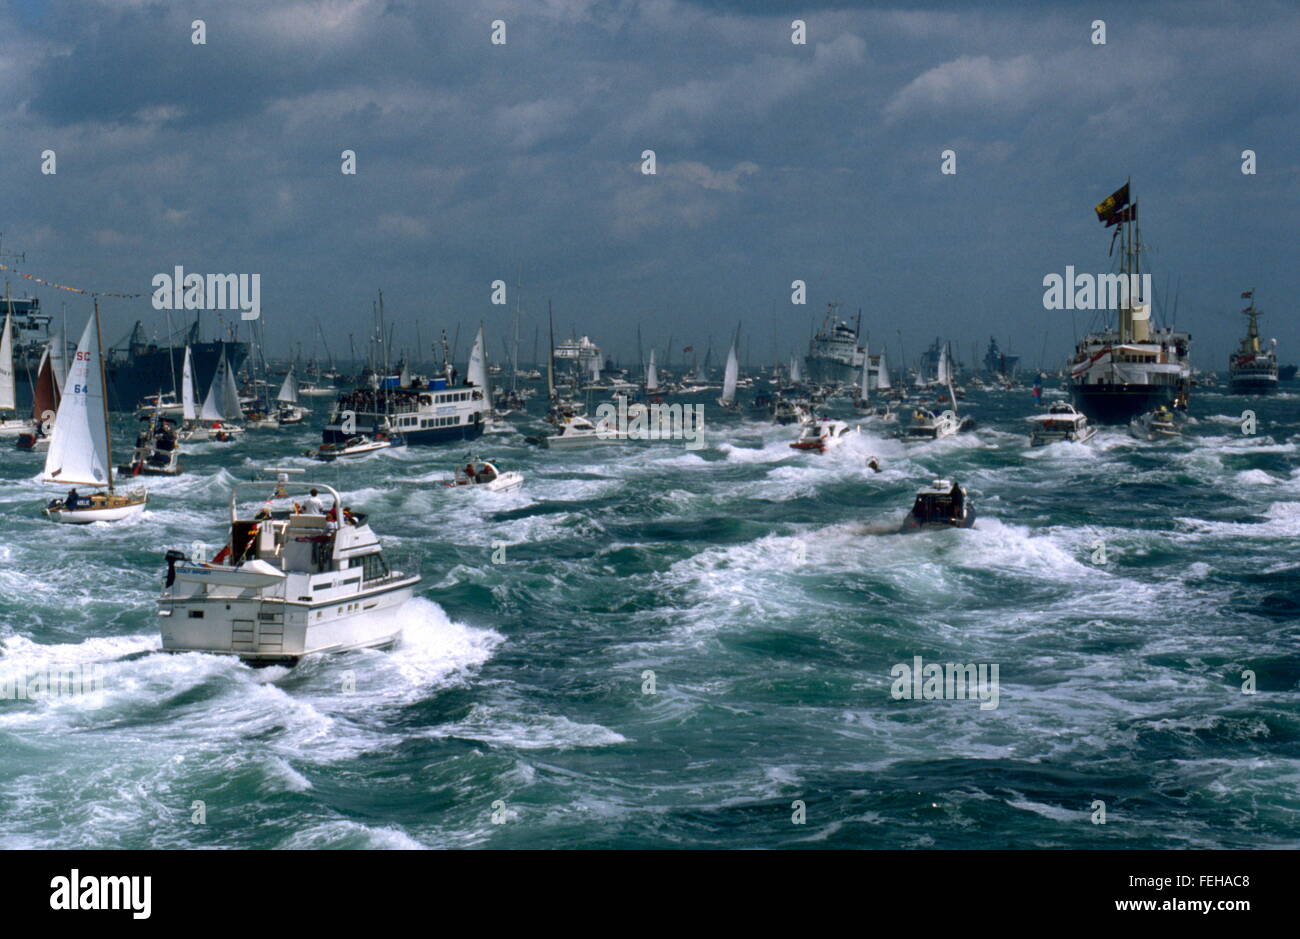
point(486, 475)
point(942, 504)
point(1159, 424)
point(820, 436)
point(289, 582)
point(81, 451)
point(1252, 369)
point(356, 446)
point(157, 450)
point(1061, 422)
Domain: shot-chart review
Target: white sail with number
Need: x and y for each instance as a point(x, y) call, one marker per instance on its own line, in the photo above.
point(188, 411)
point(78, 453)
point(730, 378)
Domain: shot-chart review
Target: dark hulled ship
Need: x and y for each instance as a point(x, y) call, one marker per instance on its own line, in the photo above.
point(141, 367)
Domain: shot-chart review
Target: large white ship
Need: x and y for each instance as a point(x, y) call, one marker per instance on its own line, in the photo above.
point(834, 354)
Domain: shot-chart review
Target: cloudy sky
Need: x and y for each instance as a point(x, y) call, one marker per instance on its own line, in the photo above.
point(776, 161)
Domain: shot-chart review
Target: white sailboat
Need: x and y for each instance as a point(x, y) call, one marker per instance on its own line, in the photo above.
point(11, 425)
point(730, 377)
point(796, 372)
point(291, 412)
point(80, 451)
point(221, 407)
point(651, 377)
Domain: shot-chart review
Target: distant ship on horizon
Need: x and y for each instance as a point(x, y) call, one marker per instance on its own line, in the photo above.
point(1252, 369)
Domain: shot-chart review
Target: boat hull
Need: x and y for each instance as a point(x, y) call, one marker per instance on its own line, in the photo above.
point(262, 632)
point(1253, 385)
point(1118, 404)
point(87, 516)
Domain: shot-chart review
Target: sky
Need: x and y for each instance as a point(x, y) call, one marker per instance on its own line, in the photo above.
point(775, 162)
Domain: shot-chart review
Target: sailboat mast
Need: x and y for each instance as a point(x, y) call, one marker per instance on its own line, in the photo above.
point(103, 387)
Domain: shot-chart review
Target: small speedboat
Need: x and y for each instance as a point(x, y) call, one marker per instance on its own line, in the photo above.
point(482, 474)
point(360, 445)
point(1061, 422)
point(942, 504)
point(1155, 425)
point(579, 431)
point(784, 411)
point(820, 436)
point(926, 425)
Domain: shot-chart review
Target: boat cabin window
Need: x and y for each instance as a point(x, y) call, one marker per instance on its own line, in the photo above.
point(373, 567)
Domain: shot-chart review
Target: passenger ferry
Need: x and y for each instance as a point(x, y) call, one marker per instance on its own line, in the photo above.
point(431, 412)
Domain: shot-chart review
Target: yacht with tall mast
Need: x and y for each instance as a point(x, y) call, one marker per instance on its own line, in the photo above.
point(81, 449)
point(1252, 369)
point(1129, 368)
point(728, 399)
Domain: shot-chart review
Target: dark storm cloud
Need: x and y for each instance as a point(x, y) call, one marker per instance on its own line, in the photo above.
point(776, 161)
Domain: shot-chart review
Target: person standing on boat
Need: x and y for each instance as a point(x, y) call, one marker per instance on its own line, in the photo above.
point(313, 505)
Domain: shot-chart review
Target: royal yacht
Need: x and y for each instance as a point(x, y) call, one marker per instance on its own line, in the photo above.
point(1130, 368)
point(298, 576)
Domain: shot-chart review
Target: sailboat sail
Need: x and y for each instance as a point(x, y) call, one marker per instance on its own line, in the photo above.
point(943, 372)
point(796, 373)
point(188, 411)
point(651, 375)
point(213, 403)
point(730, 378)
point(78, 453)
point(8, 391)
point(45, 395)
point(230, 406)
point(477, 371)
point(882, 375)
point(289, 390)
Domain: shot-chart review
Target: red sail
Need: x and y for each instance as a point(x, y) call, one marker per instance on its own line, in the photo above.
point(46, 395)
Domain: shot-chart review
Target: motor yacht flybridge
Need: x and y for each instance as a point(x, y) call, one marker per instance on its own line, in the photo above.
point(300, 575)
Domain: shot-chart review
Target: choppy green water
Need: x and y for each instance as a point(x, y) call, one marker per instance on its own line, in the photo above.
point(521, 683)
